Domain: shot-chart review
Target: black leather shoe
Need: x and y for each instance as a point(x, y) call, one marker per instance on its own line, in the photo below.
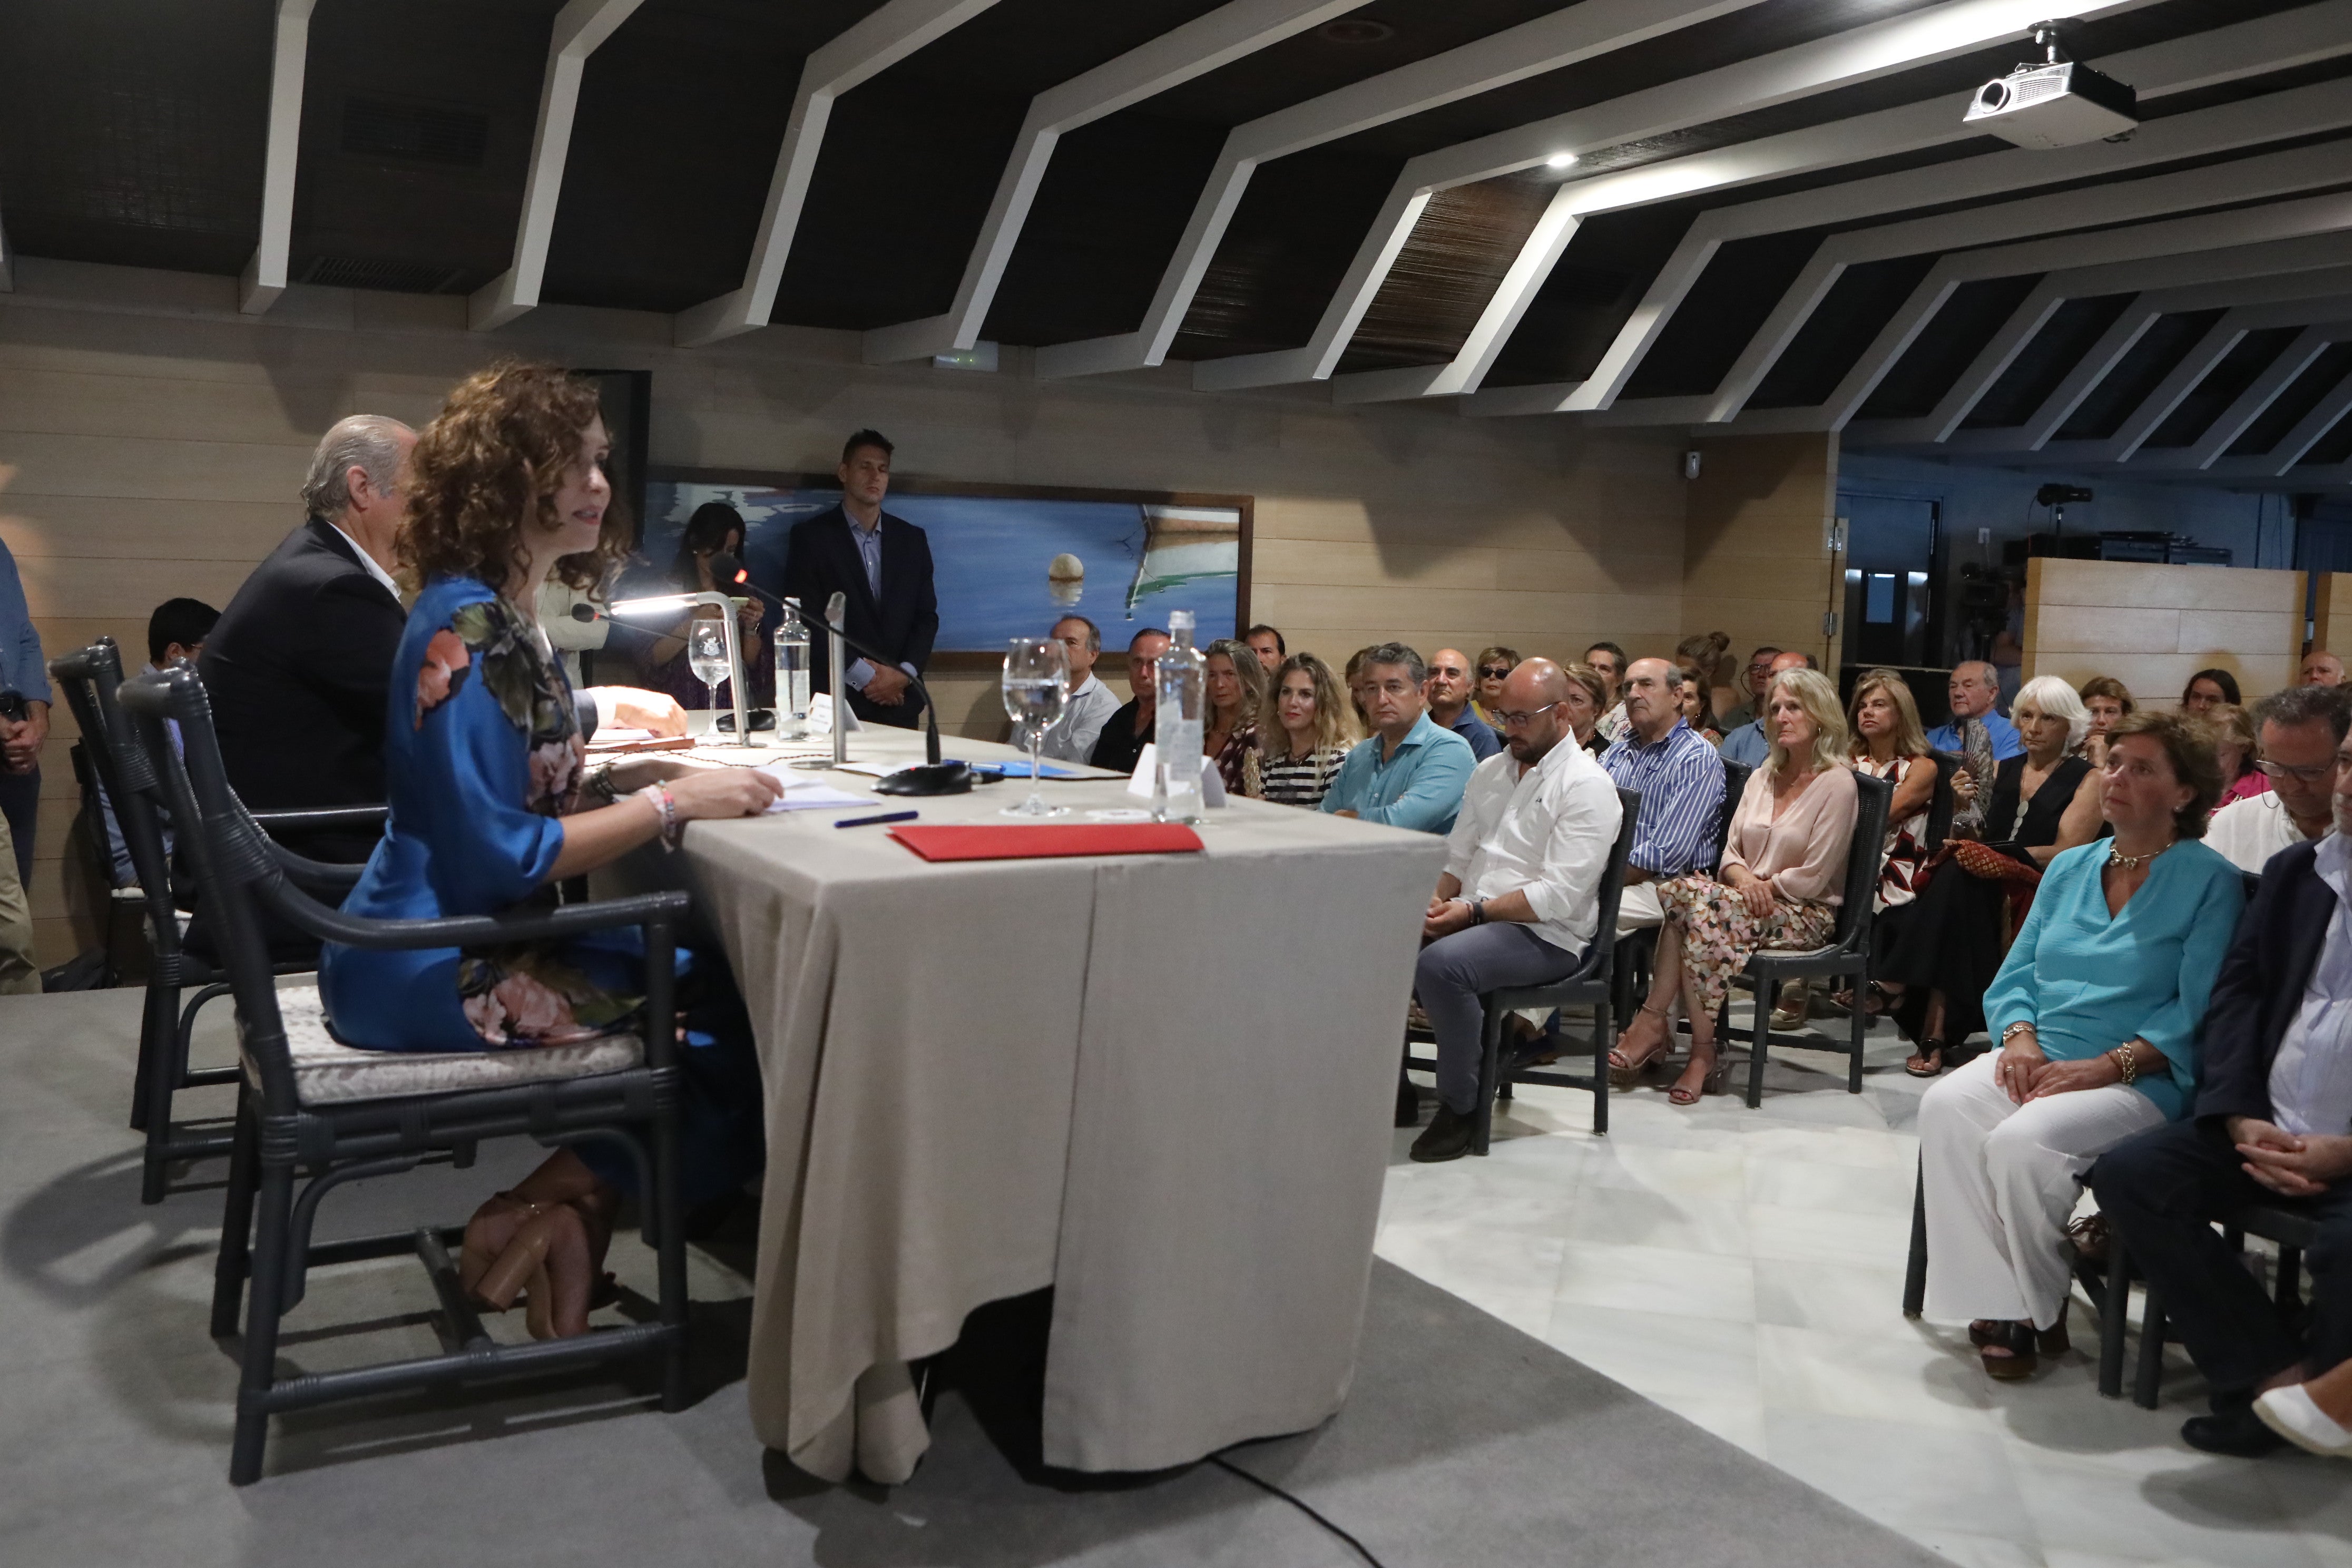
point(1447, 1137)
point(2237, 1430)
point(1408, 1103)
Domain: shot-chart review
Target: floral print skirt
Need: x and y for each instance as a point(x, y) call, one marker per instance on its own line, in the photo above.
point(1719, 936)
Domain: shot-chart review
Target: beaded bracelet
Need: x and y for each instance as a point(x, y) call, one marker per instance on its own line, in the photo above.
point(667, 806)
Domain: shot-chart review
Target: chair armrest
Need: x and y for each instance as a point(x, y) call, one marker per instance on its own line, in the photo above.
point(308, 820)
point(491, 930)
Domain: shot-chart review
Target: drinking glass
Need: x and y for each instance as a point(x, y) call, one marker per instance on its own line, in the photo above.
point(1037, 685)
point(706, 655)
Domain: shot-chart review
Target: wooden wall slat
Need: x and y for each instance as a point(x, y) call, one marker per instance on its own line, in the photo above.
point(2153, 626)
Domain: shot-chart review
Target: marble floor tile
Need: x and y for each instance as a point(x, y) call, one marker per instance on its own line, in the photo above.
point(1657, 1279)
point(1895, 1381)
point(1637, 1217)
point(1661, 1355)
point(1512, 1275)
point(1913, 1478)
point(1833, 1298)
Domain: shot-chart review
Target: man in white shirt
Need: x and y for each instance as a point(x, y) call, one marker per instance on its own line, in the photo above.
point(2299, 729)
point(1071, 739)
point(1517, 903)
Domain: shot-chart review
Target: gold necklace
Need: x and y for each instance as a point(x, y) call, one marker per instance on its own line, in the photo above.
point(2134, 862)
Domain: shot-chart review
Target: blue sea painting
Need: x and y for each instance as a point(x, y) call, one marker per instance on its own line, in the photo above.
point(1008, 566)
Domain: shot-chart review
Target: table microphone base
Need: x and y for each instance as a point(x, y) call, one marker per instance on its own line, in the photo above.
point(927, 778)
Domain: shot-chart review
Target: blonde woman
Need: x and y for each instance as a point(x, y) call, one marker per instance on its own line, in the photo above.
point(1299, 752)
point(1494, 667)
point(1588, 699)
point(1889, 744)
point(1778, 887)
point(2232, 731)
point(1231, 707)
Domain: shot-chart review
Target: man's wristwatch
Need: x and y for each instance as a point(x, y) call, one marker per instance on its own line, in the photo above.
point(1478, 913)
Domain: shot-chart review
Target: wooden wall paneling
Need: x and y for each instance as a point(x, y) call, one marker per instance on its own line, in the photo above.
point(2331, 614)
point(1757, 562)
point(2153, 626)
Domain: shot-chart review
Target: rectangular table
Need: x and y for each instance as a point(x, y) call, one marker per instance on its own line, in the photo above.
point(1159, 1084)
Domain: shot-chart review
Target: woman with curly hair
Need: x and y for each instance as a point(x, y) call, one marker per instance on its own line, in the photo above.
point(1233, 702)
point(492, 805)
point(1298, 753)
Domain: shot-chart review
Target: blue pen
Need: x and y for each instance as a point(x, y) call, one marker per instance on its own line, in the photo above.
point(871, 821)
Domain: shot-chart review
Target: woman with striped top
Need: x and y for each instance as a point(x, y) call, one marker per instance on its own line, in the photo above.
point(1298, 753)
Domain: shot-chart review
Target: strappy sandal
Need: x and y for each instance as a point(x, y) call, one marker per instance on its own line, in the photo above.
point(1711, 1082)
point(2052, 1340)
point(1625, 1073)
point(2022, 1362)
point(1929, 1048)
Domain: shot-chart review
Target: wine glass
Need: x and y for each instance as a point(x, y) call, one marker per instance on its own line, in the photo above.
point(706, 655)
point(1037, 685)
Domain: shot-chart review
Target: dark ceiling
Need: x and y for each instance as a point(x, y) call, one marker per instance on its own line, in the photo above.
point(131, 132)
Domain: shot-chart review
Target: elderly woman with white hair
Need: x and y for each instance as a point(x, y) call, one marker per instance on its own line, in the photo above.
point(1779, 884)
point(2043, 803)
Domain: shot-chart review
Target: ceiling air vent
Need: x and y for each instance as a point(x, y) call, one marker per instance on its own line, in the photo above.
point(415, 132)
point(401, 277)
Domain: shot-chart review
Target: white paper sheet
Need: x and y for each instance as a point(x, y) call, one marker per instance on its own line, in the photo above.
point(1212, 782)
point(808, 794)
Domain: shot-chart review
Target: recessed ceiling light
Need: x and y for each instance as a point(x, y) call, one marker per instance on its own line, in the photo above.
point(1355, 30)
point(1560, 160)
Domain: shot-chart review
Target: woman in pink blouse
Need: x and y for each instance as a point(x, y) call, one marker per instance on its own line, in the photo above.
point(1779, 884)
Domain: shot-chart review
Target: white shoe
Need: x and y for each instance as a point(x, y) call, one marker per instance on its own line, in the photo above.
point(2294, 1416)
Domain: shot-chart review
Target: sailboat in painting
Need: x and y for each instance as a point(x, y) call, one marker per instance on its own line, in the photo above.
point(1184, 544)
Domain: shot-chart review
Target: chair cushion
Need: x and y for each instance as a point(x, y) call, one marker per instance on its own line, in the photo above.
point(327, 1072)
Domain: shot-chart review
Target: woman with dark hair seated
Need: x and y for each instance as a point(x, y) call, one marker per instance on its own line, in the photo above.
point(493, 804)
point(715, 529)
point(2043, 801)
point(2097, 1007)
point(2207, 689)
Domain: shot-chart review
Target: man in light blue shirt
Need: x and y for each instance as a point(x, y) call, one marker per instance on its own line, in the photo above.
point(1974, 687)
point(1410, 774)
point(1748, 745)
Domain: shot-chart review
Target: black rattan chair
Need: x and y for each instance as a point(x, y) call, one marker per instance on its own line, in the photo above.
point(89, 679)
point(1590, 983)
point(1847, 954)
point(309, 1106)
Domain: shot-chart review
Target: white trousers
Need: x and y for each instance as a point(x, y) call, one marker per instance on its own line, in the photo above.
point(2001, 1180)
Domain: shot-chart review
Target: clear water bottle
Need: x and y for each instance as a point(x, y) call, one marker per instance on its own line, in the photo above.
point(1182, 681)
point(792, 675)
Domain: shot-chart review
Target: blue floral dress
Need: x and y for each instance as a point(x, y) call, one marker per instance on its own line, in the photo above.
point(483, 755)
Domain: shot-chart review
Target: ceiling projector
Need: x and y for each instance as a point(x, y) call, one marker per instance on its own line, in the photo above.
point(2054, 101)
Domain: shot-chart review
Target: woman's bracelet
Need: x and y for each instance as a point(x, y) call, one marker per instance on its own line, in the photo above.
point(2019, 1028)
point(600, 783)
point(665, 807)
point(2126, 1063)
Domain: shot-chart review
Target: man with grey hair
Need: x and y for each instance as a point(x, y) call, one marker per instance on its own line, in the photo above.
point(2299, 729)
point(1072, 736)
point(299, 665)
point(1974, 687)
point(1410, 774)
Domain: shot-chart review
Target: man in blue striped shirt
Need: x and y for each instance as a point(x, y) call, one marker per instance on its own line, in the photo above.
point(1680, 780)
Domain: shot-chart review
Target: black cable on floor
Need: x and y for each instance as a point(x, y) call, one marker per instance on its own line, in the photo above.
point(1301, 1504)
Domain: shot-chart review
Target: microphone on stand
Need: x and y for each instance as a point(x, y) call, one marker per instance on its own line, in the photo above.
point(935, 777)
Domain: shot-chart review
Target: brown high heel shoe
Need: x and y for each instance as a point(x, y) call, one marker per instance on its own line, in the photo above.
point(1626, 1073)
point(1710, 1081)
point(494, 1280)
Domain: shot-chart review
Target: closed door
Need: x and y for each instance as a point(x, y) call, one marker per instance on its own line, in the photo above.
point(1891, 571)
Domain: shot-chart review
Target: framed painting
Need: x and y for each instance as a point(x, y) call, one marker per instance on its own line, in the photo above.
point(1008, 560)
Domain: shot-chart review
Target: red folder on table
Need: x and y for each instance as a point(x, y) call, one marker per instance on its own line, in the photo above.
point(989, 841)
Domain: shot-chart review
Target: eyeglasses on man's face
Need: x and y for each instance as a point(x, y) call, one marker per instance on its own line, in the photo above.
point(2314, 773)
point(1511, 721)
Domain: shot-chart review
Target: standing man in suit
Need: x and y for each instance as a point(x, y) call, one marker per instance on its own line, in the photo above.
point(297, 666)
point(884, 564)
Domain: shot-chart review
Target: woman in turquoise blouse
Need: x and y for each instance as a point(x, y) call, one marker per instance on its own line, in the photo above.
point(493, 804)
point(2097, 1009)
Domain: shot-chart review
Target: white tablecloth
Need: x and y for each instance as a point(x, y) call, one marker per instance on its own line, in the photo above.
point(1161, 1084)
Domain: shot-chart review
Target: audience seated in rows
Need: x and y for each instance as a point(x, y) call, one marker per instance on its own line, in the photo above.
point(1752, 682)
point(2238, 752)
point(1680, 781)
point(1609, 660)
point(1299, 751)
point(176, 630)
point(1495, 664)
point(1073, 737)
point(1232, 698)
point(1126, 732)
point(492, 805)
point(1516, 904)
point(1449, 702)
point(2107, 700)
point(2299, 729)
point(1410, 772)
point(2043, 801)
point(1751, 743)
point(2097, 1007)
point(2207, 689)
point(1267, 643)
point(2274, 1101)
point(2321, 668)
point(1783, 870)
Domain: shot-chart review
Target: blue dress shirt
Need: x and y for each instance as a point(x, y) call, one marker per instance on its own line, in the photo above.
point(1680, 781)
point(1420, 787)
point(1747, 745)
point(22, 668)
point(2088, 981)
point(2006, 742)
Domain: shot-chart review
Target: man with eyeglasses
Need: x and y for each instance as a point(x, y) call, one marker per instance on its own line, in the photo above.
point(2299, 729)
point(1517, 902)
point(1758, 676)
point(1410, 772)
point(1680, 780)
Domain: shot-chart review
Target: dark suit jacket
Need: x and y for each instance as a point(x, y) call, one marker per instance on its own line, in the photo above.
point(822, 560)
point(297, 669)
point(2260, 989)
